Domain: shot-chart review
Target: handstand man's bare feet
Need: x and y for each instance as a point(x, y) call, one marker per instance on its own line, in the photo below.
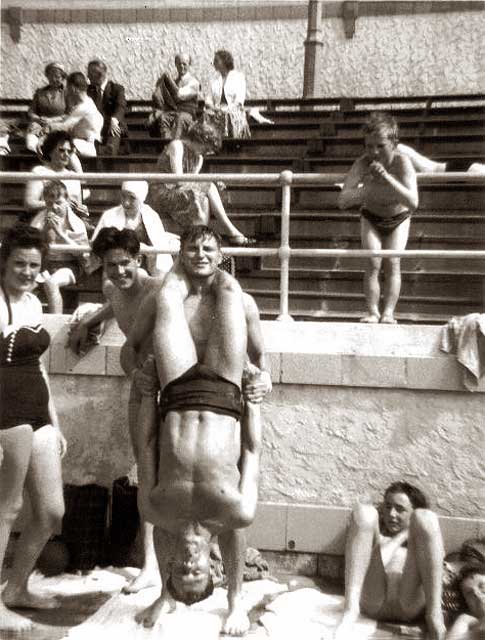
point(145, 579)
point(26, 600)
point(149, 616)
point(237, 622)
point(12, 622)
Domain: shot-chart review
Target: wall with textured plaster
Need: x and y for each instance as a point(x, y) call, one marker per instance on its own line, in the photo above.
point(435, 53)
point(333, 445)
point(322, 445)
point(388, 55)
point(270, 53)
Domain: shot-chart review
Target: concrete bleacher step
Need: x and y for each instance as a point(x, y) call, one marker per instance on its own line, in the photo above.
point(353, 316)
point(469, 284)
point(345, 302)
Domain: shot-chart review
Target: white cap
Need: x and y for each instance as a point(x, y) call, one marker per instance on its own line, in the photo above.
point(138, 188)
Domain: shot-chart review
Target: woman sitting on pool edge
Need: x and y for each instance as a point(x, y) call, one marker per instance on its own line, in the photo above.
point(382, 182)
point(394, 563)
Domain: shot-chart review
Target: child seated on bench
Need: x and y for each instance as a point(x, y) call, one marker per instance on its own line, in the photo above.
point(61, 226)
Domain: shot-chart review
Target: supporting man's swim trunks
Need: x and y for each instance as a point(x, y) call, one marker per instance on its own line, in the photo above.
point(385, 226)
point(200, 388)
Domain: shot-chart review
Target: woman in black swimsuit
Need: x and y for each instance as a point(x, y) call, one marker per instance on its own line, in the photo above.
point(382, 182)
point(30, 438)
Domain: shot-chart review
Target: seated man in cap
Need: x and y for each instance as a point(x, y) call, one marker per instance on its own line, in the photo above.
point(199, 462)
point(174, 101)
point(109, 98)
point(133, 213)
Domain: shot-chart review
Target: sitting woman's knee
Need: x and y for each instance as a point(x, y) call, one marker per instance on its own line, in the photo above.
point(365, 516)
point(425, 521)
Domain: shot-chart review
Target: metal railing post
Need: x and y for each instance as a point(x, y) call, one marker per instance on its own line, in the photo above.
point(285, 251)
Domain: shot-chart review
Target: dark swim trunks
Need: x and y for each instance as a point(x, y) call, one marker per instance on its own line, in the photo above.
point(201, 389)
point(460, 165)
point(385, 226)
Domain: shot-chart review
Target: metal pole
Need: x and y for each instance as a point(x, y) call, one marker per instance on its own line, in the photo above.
point(284, 252)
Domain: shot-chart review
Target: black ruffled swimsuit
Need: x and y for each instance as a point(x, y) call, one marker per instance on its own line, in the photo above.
point(24, 396)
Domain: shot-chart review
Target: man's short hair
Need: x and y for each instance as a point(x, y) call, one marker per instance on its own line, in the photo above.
point(179, 55)
point(191, 597)
point(77, 80)
point(226, 57)
point(97, 63)
point(54, 189)
point(415, 495)
point(191, 234)
point(112, 238)
point(382, 123)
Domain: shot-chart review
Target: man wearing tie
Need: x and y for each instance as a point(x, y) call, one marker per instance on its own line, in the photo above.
point(109, 98)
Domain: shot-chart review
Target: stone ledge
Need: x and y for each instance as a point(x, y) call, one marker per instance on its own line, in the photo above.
point(329, 354)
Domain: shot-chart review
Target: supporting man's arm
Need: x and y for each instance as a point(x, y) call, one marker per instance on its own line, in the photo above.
point(256, 387)
point(140, 331)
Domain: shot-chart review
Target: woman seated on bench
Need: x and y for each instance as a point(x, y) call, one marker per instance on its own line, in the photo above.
point(394, 563)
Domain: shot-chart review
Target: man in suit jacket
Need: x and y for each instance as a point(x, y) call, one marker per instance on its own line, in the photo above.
point(109, 98)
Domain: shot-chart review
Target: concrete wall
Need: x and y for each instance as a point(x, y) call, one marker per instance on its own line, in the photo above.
point(270, 52)
point(427, 53)
point(434, 53)
point(353, 408)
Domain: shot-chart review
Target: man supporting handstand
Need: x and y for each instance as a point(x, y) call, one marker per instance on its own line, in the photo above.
point(198, 472)
point(126, 287)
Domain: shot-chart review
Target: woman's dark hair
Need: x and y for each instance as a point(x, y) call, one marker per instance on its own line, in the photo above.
point(78, 80)
point(189, 598)
point(226, 58)
point(53, 139)
point(112, 238)
point(415, 495)
point(21, 236)
point(206, 134)
point(471, 570)
point(191, 234)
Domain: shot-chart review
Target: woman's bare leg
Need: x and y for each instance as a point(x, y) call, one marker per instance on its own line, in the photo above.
point(365, 578)
point(44, 485)
point(372, 288)
point(219, 212)
point(421, 163)
point(16, 444)
point(142, 421)
point(422, 580)
point(396, 240)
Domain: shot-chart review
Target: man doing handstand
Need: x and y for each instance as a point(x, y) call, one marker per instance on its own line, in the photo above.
point(199, 466)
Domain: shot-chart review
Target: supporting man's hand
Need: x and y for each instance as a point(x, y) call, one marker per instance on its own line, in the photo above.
point(256, 388)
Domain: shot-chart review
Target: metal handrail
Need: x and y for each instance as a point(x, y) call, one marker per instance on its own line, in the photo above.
point(287, 180)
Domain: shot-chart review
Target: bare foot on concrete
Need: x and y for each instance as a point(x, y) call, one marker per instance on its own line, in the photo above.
point(13, 623)
point(237, 622)
point(145, 579)
point(27, 600)
point(149, 616)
